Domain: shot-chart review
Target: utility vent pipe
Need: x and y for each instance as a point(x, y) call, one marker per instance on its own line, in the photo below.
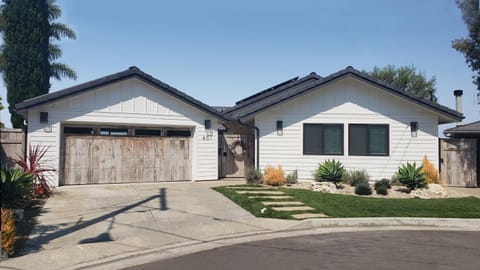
point(458, 101)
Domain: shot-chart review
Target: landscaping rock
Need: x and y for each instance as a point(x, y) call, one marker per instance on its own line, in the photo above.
point(432, 191)
point(325, 187)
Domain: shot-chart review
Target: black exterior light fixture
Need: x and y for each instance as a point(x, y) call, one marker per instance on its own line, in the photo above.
point(44, 117)
point(208, 124)
point(279, 128)
point(414, 128)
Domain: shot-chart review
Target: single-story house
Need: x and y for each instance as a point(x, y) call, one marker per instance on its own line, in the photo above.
point(130, 127)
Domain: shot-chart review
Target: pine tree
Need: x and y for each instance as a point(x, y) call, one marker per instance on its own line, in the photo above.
point(28, 51)
point(407, 78)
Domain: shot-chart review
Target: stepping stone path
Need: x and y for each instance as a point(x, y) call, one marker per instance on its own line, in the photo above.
point(266, 192)
point(293, 208)
point(271, 197)
point(283, 204)
point(309, 215)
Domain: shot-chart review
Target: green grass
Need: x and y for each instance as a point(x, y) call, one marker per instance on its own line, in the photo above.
point(336, 205)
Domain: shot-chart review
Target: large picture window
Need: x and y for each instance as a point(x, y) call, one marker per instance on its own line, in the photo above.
point(323, 139)
point(368, 140)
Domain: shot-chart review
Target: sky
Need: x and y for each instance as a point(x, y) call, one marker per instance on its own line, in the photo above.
point(222, 51)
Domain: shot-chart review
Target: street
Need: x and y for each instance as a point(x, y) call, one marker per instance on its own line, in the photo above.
point(352, 250)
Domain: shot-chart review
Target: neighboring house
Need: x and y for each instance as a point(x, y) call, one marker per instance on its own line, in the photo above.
point(348, 116)
point(126, 127)
point(130, 127)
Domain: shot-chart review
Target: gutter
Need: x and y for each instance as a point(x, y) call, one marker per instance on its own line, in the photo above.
point(257, 130)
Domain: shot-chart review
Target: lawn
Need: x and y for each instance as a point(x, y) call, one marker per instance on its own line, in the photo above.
point(336, 205)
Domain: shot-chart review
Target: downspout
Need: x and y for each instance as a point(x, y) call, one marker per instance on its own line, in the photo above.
point(257, 130)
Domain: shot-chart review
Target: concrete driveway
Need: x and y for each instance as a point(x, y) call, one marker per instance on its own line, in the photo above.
point(81, 224)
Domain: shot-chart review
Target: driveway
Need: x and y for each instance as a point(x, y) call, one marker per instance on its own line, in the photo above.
point(85, 223)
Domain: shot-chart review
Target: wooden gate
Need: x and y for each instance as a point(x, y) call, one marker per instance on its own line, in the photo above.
point(102, 160)
point(236, 154)
point(458, 162)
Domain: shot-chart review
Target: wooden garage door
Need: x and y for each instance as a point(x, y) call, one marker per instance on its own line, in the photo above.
point(102, 160)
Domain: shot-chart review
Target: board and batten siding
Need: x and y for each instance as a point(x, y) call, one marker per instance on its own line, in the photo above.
point(129, 103)
point(347, 101)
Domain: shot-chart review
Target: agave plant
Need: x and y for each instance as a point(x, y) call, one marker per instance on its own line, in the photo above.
point(411, 176)
point(34, 163)
point(330, 171)
point(16, 187)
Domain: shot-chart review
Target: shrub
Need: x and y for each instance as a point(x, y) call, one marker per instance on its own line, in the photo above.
point(431, 174)
point(274, 176)
point(381, 190)
point(330, 171)
point(8, 231)
point(16, 188)
point(354, 177)
point(394, 180)
point(411, 176)
point(254, 177)
point(363, 188)
point(382, 186)
point(292, 177)
point(385, 182)
point(34, 163)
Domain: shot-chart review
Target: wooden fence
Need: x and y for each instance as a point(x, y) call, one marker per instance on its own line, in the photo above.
point(458, 162)
point(12, 145)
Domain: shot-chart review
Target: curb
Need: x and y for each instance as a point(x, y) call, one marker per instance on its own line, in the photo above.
point(305, 227)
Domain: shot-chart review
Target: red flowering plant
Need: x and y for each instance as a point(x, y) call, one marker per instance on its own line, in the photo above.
point(34, 163)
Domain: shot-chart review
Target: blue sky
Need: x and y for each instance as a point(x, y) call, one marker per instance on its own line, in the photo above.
point(222, 51)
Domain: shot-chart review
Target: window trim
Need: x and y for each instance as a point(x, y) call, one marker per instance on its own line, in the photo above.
point(342, 136)
point(387, 135)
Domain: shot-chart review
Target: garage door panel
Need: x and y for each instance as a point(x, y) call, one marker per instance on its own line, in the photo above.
point(102, 159)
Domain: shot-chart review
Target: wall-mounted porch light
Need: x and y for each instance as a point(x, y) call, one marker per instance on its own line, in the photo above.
point(414, 128)
point(279, 128)
point(44, 117)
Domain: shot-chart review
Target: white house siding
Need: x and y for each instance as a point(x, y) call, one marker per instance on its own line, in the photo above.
point(347, 101)
point(129, 103)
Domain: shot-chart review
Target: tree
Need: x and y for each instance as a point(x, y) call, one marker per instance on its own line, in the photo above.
point(407, 78)
point(470, 46)
point(28, 53)
point(1, 109)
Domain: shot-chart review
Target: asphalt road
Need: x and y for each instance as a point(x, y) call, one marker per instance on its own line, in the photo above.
point(354, 250)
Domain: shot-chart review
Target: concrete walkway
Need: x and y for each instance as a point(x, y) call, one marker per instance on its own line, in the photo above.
point(116, 226)
point(82, 224)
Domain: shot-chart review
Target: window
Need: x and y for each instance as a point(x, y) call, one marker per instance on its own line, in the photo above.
point(148, 132)
point(114, 131)
point(368, 140)
point(78, 131)
point(178, 133)
point(323, 139)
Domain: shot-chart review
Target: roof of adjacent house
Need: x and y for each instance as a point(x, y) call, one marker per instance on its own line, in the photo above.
point(132, 72)
point(467, 129)
point(263, 100)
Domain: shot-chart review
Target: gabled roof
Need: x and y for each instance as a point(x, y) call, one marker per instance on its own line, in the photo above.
point(467, 129)
point(264, 100)
point(132, 72)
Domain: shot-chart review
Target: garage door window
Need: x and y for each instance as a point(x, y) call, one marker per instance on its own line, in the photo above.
point(178, 133)
point(78, 131)
point(148, 132)
point(114, 131)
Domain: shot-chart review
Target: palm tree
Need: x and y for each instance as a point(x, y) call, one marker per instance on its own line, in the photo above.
point(57, 32)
